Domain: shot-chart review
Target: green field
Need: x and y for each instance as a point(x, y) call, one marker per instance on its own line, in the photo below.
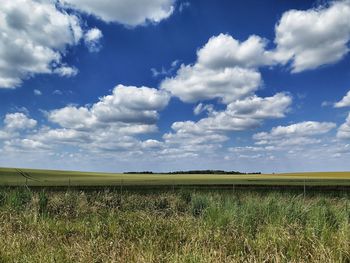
point(31, 177)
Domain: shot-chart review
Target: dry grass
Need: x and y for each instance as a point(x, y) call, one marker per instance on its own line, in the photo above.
point(106, 226)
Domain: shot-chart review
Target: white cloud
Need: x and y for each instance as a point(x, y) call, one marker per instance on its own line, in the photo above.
point(131, 104)
point(18, 121)
point(224, 70)
point(35, 35)
point(93, 35)
point(130, 13)
point(194, 83)
point(163, 71)
point(127, 104)
point(14, 124)
point(72, 117)
point(345, 101)
point(224, 51)
point(110, 124)
point(25, 145)
point(189, 138)
point(295, 134)
point(260, 108)
point(314, 37)
point(210, 132)
point(57, 92)
point(203, 108)
point(34, 41)
point(66, 71)
point(344, 129)
point(92, 39)
point(37, 92)
point(246, 114)
point(4, 135)
point(304, 144)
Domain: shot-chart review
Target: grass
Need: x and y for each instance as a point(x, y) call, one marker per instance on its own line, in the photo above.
point(15, 177)
point(173, 226)
point(101, 217)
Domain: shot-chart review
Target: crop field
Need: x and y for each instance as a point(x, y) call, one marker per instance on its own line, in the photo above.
point(31, 177)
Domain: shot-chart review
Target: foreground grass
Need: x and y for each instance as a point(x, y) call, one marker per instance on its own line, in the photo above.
point(180, 226)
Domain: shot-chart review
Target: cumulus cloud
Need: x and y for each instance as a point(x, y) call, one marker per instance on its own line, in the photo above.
point(29, 40)
point(344, 129)
point(15, 124)
point(344, 102)
point(261, 108)
point(126, 104)
point(243, 114)
point(224, 51)
point(51, 136)
point(189, 139)
point(313, 37)
point(210, 132)
point(18, 121)
point(92, 39)
point(295, 134)
point(111, 124)
point(300, 141)
point(25, 145)
point(130, 13)
point(194, 83)
point(225, 70)
point(36, 41)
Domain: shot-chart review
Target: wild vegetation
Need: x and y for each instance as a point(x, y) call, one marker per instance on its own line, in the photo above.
point(109, 225)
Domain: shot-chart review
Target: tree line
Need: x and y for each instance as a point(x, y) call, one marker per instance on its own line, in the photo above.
point(194, 172)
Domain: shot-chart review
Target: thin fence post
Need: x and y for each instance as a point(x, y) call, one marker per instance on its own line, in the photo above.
point(304, 189)
point(27, 184)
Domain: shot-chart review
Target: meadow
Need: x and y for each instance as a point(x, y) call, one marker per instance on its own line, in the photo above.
point(67, 216)
point(107, 225)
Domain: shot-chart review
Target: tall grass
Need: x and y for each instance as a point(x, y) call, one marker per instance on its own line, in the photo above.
point(180, 226)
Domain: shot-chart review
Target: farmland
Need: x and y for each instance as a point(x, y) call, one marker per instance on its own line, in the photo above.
point(31, 177)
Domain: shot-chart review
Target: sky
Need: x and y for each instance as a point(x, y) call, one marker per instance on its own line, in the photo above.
point(164, 85)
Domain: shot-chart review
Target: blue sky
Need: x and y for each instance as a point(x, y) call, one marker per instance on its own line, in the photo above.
point(171, 85)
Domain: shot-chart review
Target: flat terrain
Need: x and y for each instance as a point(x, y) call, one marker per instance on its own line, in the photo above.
point(180, 226)
point(159, 224)
point(31, 177)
